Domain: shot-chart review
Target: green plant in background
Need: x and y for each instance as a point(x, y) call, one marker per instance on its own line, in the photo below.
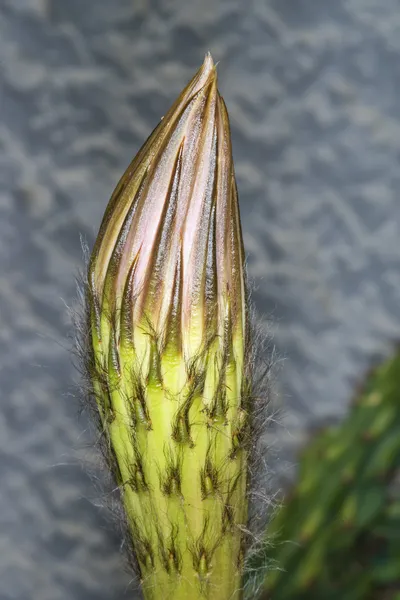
point(337, 537)
point(169, 352)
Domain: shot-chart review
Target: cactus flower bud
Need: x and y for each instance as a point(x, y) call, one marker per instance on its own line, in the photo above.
point(167, 305)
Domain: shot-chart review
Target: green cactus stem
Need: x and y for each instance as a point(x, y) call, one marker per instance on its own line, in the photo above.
point(336, 536)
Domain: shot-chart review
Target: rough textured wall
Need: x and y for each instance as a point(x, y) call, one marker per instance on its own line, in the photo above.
point(312, 87)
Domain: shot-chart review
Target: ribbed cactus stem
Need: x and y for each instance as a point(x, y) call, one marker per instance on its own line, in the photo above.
point(167, 306)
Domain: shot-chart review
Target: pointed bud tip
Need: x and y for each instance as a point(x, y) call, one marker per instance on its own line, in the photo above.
point(208, 63)
point(208, 71)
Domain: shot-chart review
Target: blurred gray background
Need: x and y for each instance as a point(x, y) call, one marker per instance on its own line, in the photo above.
point(313, 90)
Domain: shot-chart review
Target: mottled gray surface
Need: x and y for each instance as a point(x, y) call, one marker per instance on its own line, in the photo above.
point(313, 90)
